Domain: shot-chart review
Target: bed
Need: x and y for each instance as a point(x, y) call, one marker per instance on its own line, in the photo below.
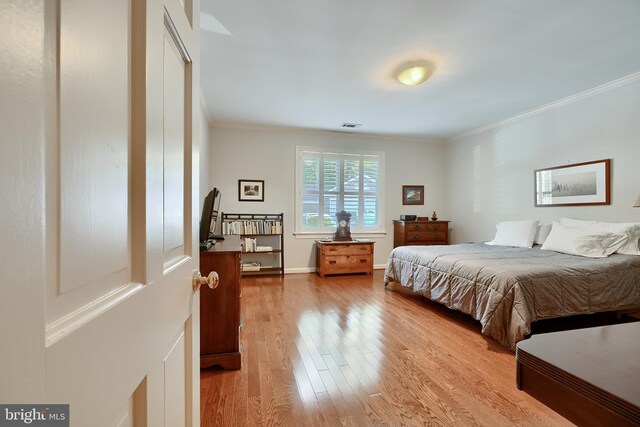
point(507, 289)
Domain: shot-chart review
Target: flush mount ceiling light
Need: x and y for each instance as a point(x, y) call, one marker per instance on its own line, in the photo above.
point(414, 73)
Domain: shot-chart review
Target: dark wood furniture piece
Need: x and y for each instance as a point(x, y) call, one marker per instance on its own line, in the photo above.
point(420, 233)
point(344, 257)
point(590, 376)
point(266, 229)
point(220, 307)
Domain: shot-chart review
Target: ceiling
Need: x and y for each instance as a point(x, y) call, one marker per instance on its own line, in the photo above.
point(318, 63)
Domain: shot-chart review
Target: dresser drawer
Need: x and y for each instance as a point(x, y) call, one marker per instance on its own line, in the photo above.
point(437, 227)
point(348, 261)
point(417, 226)
point(426, 237)
point(346, 249)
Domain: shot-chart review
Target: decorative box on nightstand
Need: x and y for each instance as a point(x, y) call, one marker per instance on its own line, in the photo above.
point(344, 257)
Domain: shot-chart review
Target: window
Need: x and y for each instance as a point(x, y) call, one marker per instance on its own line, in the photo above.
point(329, 181)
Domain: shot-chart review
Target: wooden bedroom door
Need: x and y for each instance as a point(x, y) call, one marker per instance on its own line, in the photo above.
point(99, 210)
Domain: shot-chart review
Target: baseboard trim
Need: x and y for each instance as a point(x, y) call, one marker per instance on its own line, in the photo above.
point(313, 269)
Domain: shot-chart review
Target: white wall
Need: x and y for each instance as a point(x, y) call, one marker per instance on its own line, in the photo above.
point(269, 154)
point(205, 151)
point(490, 173)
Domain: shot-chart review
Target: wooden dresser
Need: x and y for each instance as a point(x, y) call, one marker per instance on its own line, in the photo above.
point(420, 233)
point(220, 307)
point(344, 257)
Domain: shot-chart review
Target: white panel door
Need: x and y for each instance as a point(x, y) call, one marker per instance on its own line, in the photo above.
point(98, 209)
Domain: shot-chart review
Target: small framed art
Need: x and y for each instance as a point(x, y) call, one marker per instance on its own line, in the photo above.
point(413, 194)
point(250, 190)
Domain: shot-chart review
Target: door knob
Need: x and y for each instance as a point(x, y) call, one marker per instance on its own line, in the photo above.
point(212, 280)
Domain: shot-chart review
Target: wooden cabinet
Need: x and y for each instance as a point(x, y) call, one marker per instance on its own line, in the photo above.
point(344, 257)
point(220, 307)
point(420, 233)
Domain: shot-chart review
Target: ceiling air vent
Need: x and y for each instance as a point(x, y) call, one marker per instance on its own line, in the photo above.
point(351, 125)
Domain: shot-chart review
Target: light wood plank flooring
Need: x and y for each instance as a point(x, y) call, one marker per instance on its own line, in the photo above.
point(344, 351)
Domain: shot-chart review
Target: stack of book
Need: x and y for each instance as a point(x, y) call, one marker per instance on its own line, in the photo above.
point(250, 266)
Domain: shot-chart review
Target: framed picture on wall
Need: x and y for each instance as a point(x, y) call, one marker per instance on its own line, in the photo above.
point(413, 194)
point(579, 184)
point(250, 190)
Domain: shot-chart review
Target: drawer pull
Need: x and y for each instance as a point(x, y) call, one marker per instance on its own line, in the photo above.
point(417, 237)
point(332, 249)
point(363, 261)
point(417, 227)
point(437, 227)
point(437, 237)
point(333, 261)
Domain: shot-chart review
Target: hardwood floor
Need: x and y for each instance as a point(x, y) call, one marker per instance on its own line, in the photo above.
point(343, 351)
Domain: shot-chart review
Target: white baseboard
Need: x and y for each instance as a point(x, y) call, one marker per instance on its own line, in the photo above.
point(313, 269)
point(299, 270)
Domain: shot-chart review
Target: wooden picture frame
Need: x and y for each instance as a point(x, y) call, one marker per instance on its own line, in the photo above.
point(250, 190)
point(413, 194)
point(578, 184)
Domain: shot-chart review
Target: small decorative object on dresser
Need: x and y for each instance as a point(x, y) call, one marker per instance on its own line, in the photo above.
point(420, 233)
point(434, 216)
point(344, 257)
point(343, 232)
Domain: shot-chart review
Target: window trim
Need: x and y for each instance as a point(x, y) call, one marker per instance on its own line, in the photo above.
point(319, 233)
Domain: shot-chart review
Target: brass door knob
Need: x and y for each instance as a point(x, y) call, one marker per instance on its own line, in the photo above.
point(212, 280)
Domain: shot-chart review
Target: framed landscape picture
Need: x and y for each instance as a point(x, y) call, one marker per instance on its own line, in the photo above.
point(250, 190)
point(579, 184)
point(413, 194)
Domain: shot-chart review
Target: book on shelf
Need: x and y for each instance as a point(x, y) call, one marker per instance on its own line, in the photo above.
point(252, 226)
point(249, 244)
point(264, 249)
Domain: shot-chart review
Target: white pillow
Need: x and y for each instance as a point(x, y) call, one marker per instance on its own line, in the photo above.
point(542, 233)
point(515, 233)
point(581, 241)
point(631, 231)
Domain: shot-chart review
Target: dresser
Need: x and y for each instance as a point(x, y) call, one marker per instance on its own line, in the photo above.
point(220, 307)
point(420, 233)
point(344, 257)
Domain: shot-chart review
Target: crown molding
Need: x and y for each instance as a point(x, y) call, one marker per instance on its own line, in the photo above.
point(631, 78)
point(287, 129)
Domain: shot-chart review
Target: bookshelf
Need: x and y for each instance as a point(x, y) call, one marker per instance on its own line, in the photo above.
point(262, 241)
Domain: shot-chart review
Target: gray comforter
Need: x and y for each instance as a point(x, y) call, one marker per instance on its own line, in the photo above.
point(507, 289)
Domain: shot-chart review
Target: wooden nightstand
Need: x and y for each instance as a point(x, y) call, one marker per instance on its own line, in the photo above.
point(344, 257)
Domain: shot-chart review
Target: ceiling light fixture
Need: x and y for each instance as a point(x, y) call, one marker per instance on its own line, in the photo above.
point(414, 73)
